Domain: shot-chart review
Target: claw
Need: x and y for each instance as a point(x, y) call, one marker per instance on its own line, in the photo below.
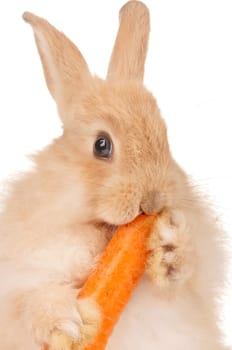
point(60, 341)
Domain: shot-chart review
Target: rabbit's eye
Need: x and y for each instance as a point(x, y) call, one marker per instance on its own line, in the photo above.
point(103, 147)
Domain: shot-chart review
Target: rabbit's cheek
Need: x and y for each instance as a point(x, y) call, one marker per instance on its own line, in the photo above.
point(119, 206)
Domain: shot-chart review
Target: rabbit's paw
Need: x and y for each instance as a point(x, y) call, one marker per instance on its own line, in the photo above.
point(57, 319)
point(171, 252)
point(69, 336)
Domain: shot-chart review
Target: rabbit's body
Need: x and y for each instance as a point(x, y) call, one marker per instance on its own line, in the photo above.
point(42, 250)
point(112, 162)
point(169, 324)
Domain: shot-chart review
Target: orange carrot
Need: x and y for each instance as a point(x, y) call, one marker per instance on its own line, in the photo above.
point(117, 274)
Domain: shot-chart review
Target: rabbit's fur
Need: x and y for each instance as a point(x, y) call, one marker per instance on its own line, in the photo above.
point(59, 217)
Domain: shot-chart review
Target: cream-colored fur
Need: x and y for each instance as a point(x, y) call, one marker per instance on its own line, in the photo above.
point(58, 218)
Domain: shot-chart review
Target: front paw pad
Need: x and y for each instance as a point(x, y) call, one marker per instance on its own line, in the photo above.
point(76, 337)
point(170, 260)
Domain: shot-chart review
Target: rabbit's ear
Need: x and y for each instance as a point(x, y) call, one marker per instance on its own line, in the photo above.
point(65, 69)
point(130, 49)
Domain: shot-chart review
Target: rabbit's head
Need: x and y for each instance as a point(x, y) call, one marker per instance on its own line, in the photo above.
point(113, 132)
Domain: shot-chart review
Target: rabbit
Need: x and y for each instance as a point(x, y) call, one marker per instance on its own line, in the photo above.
point(111, 163)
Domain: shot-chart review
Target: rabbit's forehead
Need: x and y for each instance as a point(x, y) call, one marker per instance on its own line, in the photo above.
point(124, 107)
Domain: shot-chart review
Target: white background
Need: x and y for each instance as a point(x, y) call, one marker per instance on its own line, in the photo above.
point(189, 69)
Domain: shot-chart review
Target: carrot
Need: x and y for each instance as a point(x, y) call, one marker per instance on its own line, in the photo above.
point(117, 274)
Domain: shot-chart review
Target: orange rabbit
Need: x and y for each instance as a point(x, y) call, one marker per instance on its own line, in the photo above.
point(111, 162)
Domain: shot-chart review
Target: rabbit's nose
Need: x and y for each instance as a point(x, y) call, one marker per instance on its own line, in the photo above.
point(152, 203)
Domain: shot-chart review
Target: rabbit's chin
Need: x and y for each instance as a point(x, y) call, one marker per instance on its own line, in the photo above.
point(104, 226)
point(113, 223)
point(119, 213)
